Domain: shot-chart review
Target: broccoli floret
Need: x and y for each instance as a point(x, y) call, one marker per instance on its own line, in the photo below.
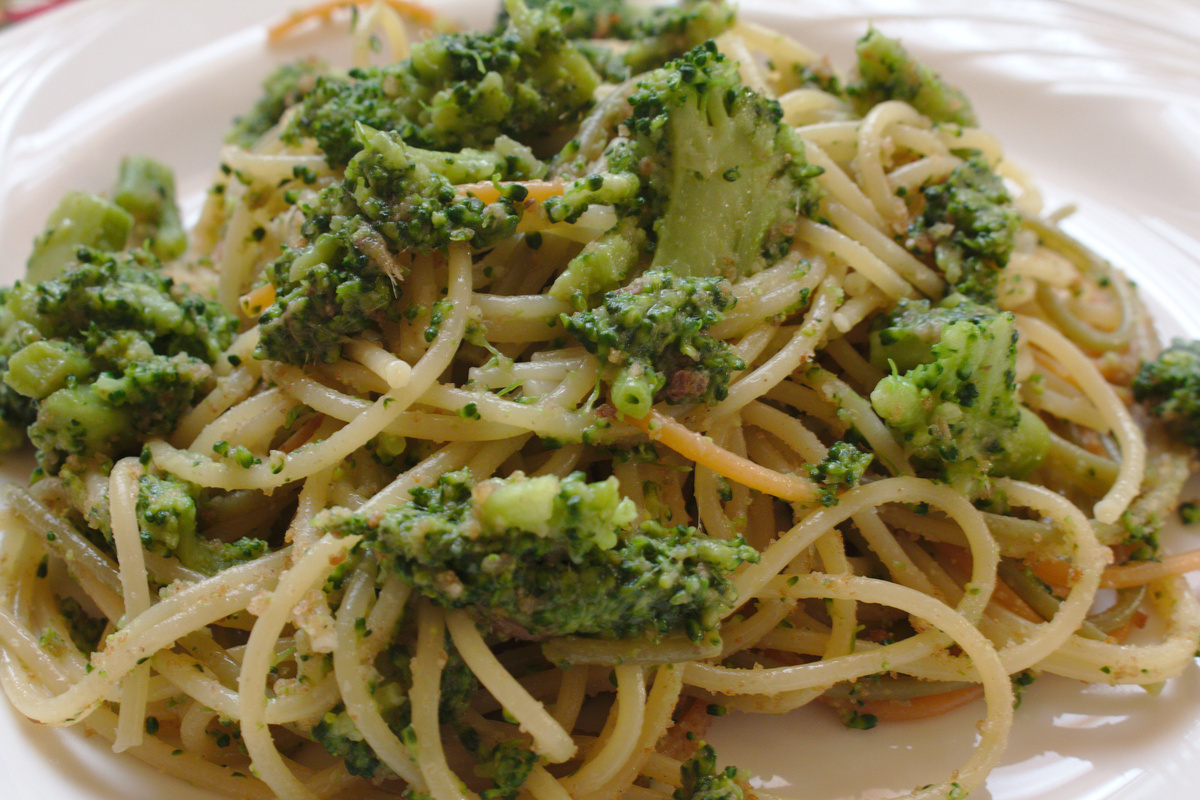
point(390, 685)
point(650, 338)
point(655, 33)
point(282, 89)
point(146, 189)
point(457, 90)
point(107, 355)
point(167, 514)
point(959, 417)
point(345, 280)
point(887, 72)
point(702, 781)
point(1169, 386)
point(701, 140)
point(842, 468)
point(969, 226)
point(542, 557)
point(507, 764)
point(905, 336)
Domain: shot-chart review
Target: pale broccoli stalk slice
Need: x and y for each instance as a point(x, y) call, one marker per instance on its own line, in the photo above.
point(604, 263)
point(886, 71)
point(1169, 387)
point(146, 189)
point(959, 417)
point(905, 336)
point(650, 339)
point(457, 90)
point(106, 355)
point(282, 89)
point(506, 160)
point(968, 226)
point(80, 220)
point(543, 557)
point(391, 201)
point(167, 524)
point(702, 781)
point(390, 684)
point(705, 141)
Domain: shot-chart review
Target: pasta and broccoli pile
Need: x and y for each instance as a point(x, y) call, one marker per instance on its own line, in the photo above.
point(524, 397)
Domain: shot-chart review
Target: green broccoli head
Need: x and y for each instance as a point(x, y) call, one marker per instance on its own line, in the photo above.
point(167, 523)
point(542, 557)
point(968, 226)
point(106, 355)
point(959, 417)
point(655, 33)
point(904, 337)
point(702, 781)
point(1169, 387)
point(457, 90)
point(887, 72)
point(701, 140)
point(650, 338)
point(842, 468)
point(282, 89)
point(393, 200)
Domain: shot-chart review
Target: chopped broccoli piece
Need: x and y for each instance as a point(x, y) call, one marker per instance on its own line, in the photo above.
point(969, 226)
point(887, 72)
point(457, 90)
point(1169, 386)
point(389, 689)
point(167, 514)
point(702, 781)
point(282, 89)
point(905, 336)
point(655, 33)
point(541, 557)
point(344, 280)
point(105, 356)
point(146, 189)
point(959, 417)
point(81, 220)
point(507, 763)
point(650, 338)
point(701, 140)
point(843, 467)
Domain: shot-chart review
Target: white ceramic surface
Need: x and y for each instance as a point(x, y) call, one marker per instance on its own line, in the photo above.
point(1100, 100)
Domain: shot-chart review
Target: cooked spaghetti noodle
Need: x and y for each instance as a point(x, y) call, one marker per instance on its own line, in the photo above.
point(897, 576)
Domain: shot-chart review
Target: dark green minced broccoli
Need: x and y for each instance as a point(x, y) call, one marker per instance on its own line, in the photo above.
point(655, 33)
point(457, 90)
point(105, 356)
point(650, 339)
point(394, 199)
point(702, 781)
point(700, 140)
point(86, 630)
point(167, 523)
point(842, 468)
point(507, 764)
point(282, 89)
point(886, 71)
point(389, 688)
point(904, 337)
point(968, 225)
point(959, 417)
point(542, 557)
point(1169, 387)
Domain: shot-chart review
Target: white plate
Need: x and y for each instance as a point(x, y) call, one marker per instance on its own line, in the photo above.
point(1101, 102)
